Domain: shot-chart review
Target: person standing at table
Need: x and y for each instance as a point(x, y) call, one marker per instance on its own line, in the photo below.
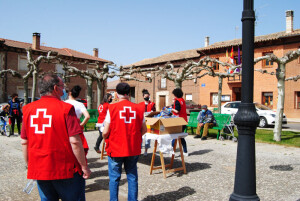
point(124, 126)
point(80, 110)
point(15, 112)
point(179, 109)
point(102, 109)
point(149, 107)
point(51, 145)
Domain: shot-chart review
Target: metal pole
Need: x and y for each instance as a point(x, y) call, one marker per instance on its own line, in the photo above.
point(246, 118)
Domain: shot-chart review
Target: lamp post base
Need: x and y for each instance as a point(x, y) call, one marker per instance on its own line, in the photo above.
point(235, 197)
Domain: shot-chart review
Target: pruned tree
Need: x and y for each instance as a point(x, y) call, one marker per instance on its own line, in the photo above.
point(281, 78)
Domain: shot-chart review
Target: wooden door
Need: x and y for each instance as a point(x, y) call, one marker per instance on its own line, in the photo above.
point(162, 102)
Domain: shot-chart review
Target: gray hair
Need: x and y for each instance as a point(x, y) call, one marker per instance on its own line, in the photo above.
point(47, 82)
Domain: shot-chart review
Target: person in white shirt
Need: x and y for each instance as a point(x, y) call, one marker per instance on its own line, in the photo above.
point(80, 109)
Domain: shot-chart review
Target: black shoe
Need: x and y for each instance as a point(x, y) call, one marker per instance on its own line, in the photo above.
point(97, 150)
point(204, 138)
point(197, 136)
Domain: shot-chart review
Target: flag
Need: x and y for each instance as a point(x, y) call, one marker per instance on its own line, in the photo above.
point(231, 56)
point(226, 54)
point(239, 56)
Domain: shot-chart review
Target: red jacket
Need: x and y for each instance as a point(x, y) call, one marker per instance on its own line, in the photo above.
point(182, 112)
point(125, 136)
point(149, 106)
point(102, 109)
point(50, 155)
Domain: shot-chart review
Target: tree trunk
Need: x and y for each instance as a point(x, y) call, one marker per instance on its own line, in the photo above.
point(220, 93)
point(99, 92)
point(25, 84)
point(89, 83)
point(280, 74)
point(178, 84)
point(34, 81)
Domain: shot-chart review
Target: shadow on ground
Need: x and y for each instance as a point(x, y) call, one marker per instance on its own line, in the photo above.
point(282, 167)
point(101, 184)
point(172, 195)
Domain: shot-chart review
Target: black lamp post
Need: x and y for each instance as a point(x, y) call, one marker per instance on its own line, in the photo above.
point(246, 118)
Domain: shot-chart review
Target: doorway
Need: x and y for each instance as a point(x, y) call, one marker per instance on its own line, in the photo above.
point(132, 94)
point(236, 93)
point(162, 102)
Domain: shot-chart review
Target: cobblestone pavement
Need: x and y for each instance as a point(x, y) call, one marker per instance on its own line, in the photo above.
point(210, 173)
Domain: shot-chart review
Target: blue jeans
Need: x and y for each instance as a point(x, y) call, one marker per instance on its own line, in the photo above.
point(66, 189)
point(114, 172)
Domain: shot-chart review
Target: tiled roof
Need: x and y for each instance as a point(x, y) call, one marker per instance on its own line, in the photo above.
point(62, 51)
point(113, 84)
point(188, 54)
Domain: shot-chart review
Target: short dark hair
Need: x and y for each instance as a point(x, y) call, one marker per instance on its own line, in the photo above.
point(47, 82)
point(123, 88)
point(75, 91)
point(105, 98)
point(145, 91)
point(14, 95)
point(177, 92)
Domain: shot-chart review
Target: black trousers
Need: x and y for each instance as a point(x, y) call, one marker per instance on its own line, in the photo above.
point(13, 120)
point(99, 140)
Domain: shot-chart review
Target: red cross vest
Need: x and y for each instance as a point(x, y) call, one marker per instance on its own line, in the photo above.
point(102, 109)
point(182, 112)
point(125, 138)
point(149, 106)
point(50, 155)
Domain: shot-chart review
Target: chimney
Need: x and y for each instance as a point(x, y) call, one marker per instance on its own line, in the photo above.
point(206, 43)
point(95, 52)
point(36, 37)
point(289, 21)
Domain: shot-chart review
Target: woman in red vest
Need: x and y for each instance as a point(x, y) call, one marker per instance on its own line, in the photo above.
point(102, 109)
point(179, 109)
point(149, 107)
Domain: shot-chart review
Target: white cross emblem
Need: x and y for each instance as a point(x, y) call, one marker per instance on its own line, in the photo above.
point(40, 123)
point(100, 108)
point(127, 114)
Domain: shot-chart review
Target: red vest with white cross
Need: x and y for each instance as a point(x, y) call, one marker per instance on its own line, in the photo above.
point(102, 109)
point(182, 113)
point(50, 155)
point(149, 106)
point(125, 138)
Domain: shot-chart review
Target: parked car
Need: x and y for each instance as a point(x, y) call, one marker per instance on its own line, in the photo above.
point(84, 101)
point(266, 115)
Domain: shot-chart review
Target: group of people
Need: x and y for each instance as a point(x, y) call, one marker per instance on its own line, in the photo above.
point(55, 149)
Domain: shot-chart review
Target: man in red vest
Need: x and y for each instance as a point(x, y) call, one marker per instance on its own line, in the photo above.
point(51, 144)
point(124, 126)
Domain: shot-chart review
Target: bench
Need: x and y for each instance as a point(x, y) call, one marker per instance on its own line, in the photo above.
point(93, 117)
point(221, 119)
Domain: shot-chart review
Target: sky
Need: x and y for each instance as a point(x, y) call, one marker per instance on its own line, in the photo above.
point(127, 31)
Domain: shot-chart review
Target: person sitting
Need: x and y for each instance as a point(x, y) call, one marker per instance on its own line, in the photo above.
point(3, 114)
point(205, 120)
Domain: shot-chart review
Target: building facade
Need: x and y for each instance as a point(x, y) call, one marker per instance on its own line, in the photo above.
point(13, 56)
point(204, 90)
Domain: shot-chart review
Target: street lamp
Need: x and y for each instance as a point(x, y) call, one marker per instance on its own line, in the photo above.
point(246, 118)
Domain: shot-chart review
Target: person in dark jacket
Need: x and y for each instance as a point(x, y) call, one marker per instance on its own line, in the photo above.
point(205, 120)
point(15, 112)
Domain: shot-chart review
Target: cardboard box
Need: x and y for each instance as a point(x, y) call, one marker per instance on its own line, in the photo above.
point(162, 126)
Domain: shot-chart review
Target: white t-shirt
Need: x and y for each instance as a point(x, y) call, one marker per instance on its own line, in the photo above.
point(79, 107)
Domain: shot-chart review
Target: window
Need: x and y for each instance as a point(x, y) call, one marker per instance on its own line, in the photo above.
point(163, 83)
point(236, 60)
point(215, 65)
point(189, 97)
point(148, 76)
point(297, 100)
point(266, 63)
point(267, 99)
point(22, 62)
point(59, 69)
point(214, 98)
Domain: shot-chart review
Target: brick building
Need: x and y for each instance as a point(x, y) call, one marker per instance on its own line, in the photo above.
point(204, 90)
point(13, 56)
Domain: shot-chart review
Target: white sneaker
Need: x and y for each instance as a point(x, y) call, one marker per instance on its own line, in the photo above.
point(145, 153)
point(186, 154)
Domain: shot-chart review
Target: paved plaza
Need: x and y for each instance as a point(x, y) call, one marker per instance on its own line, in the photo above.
point(210, 173)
